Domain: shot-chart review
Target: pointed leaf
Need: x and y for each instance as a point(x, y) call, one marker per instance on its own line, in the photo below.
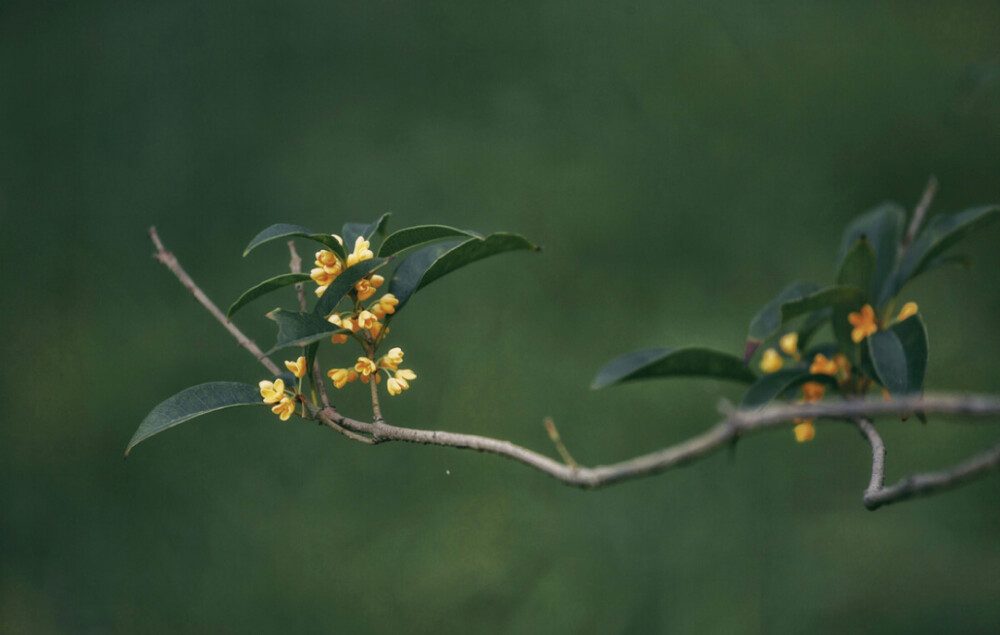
point(298, 329)
point(858, 266)
point(898, 356)
point(777, 383)
point(840, 296)
point(282, 230)
point(265, 287)
point(673, 362)
point(412, 236)
point(343, 284)
point(768, 319)
point(813, 322)
point(192, 402)
point(426, 265)
point(883, 228)
point(366, 231)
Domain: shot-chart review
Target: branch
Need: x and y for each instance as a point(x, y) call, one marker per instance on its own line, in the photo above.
point(170, 261)
point(919, 213)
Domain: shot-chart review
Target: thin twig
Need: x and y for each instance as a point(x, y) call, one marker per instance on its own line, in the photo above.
point(920, 212)
point(550, 427)
point(878, 458)
point(170, 261)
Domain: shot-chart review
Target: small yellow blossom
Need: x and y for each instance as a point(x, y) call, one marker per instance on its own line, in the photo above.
point(789, 343)
point(771, 361)
point(406, 374)
point(805, 431)
point(377, 280)
point(365, 320)
point(864, 323)
point(338, 338)
point(392, 359)
point(909, 309)
point(386, 305)
point(812, 391)
point(823, 366)
point(284, 408)
point(401, 381)
point(361, 252)
point(364, 289)
point(376, 328)
point(298, 367)
point(365, 367)
point(328, 260)
point(342, 376)
point(394, 386)
point(272, 391)
point(323, 278)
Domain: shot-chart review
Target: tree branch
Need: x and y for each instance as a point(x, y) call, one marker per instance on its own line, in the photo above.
point(919, 212)
point(170, 261)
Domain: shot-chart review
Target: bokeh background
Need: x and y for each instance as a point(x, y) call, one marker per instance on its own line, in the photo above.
point(680, 163)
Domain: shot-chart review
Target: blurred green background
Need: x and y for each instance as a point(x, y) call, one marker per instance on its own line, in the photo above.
point(680, 163)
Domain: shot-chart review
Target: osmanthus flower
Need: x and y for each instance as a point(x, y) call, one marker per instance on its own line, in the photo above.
point(298, 367)
point(365, 367)
point(804, 429)
point(864, 323)
point(366, 287)
point(284, 408)
point(909, 309)
point(328, 267)
point(386, 305)
point(365, 319)
point(361, 252)
point(822, 365)
point(272, 392)
point(789, 343)
point(401, 381)
point(392, 359)
point(342, 376)
point(771, 361)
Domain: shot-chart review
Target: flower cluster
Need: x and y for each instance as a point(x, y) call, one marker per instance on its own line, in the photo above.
point(365, 369)
point(329, 266)
point(866, 323)
point(273, 392)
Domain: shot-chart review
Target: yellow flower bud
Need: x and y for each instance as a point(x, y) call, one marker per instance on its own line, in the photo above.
point(377, 280)
point(789, 343)
point(338, 338)
point(395, 386)
point(284, 409)
point(392, 359)
point(812, 391)
point(771, 361)
point(823, 366)
point(298, 367)
point(909, 309)
point(342, 376)
point(364, 289)
point(406, 373)
point(805, 431)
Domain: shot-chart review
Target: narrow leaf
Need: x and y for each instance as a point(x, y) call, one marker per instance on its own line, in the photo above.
point(673, 362)
point(265, 287)
point(192, 402)
point(343, 284)
point(883, 228)
point(426, 265)
point(768, 319)
point(298, 329)
point(281, 230)
point(839, 296)
point(813, 322)
point(412, 236)
point(353, 230)
point(773, 385)
point(898, 356)
point(858, 266)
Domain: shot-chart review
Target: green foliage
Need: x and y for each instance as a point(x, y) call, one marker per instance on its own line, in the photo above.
point(666, 362)
point(897, 356)
point(281, 230)
point(264, 288)
point(297, 328)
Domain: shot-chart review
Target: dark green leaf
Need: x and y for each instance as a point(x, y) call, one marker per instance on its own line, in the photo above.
point(898, 356)
point(283, 230)
point(265, 287)
point(353, 230)
point(343, 284)
point(767, 321)
point(412, 236)
point(426, 265)
point(775, 384)
point(813, 322)
point(941, 233)
point(858, 266)
point(883, 227)
point(840, 296)
point(299, 329)
point(192, 402)
point(673, 362)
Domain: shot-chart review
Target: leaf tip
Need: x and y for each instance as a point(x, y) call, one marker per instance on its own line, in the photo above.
point(750, 348)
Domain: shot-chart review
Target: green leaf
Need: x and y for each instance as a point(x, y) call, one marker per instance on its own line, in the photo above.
point(353, 230)
point(673, 362)
point(768, 319)
point(192, 402)
point(426, 265)
point(941, 233)
point(412, 236)
point(898, 355)
point(298, 329)
point(858, 266)
point(813, 322)
point(343, 284)
point(283, 230)
point(265, 287)
point(883, 228)
point(775, 384)
point(840, 296)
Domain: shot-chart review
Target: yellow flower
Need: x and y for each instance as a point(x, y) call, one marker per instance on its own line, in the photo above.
point(365, 367)
point(909, 309)
point(364, 289)
point(395, 386)
point(328, 260)
point(377, 280)
point(406, 374)
point(361, 252)
point(392, 359)
point(771, 361)
point(805, 431)
point(338, 338)
point(864, 323)
point(365, 320)
point(284, 409)
point(378, 378)
point(298, 367)
point(376, 328)
point(385, 305)
point(789, 343)
point(342, 376)
point(823, 366)
point(812, 391)
point(272, 391)
point(323, 278)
